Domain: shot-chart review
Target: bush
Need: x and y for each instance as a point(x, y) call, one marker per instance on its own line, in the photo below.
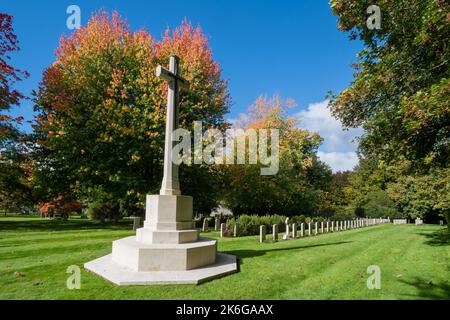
point(447, 217)
point(378, 204)
point(344, 213)
point(248, 225)
point(298, 219)
point(103, 211)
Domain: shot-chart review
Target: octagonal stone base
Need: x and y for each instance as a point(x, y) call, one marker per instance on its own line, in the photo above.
point(139, 256)
point(167, 250)
point(225, 264)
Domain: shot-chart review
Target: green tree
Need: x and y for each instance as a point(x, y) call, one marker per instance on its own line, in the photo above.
point(400, 92)
point(378, 204)
point(426, 196)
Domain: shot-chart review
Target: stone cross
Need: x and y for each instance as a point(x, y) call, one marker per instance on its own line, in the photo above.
point(170, 183)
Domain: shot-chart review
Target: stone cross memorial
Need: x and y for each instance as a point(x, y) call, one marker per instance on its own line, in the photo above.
point(168, 249)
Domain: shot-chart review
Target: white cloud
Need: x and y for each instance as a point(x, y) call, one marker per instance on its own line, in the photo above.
point(317, 117)
point(338, 149)
point(339, 161)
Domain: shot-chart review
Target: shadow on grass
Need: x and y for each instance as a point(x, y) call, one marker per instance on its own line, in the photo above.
point(60, 225)
point(429, 290)
point(437, 238)
point(242, 254)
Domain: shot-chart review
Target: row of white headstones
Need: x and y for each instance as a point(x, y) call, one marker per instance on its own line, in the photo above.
point(418, 221)
point(325, 227)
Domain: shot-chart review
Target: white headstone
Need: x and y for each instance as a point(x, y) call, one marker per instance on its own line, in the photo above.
point(275, 233)
point(294, 231)
point(216, 224)
point(286, 234)
point(223, 228)
point(136, 223)
point(205, 225)
point(262, 234)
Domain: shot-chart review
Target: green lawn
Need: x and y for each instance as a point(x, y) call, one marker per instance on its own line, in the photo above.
point(414, 262)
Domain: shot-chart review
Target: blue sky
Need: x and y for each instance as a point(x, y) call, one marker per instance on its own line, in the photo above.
point(289, 48)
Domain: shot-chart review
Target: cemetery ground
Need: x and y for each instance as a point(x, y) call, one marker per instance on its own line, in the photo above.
point(414, 261)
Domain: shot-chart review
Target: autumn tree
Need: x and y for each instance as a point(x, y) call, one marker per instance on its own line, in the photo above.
point(14, 165)
point(101, 108)
point(8, 76)
point(292, 190)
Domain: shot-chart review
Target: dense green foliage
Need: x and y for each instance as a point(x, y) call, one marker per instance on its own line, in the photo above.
point(400, 96)
point(249, 225)
point(400, 93)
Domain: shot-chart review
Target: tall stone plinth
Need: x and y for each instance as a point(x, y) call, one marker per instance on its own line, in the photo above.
point(167, 250)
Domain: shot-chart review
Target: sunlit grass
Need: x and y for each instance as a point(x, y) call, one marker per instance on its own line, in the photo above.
point(414, 263)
